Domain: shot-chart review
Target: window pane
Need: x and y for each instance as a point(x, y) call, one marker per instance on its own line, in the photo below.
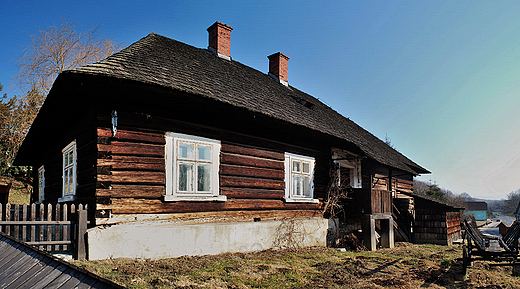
point(70, 183)
point(186, 151)
point(297, 190)
point(203, 152)
point(66, 182)
point(296, 166)
point(306, 186)
point(203, 178)
point(186, 177)
point(71, 159)
point(306, 168)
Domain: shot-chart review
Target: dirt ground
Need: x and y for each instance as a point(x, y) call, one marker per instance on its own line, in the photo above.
point(405, 266)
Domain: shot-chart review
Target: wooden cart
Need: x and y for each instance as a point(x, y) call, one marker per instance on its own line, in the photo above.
point(503, 250)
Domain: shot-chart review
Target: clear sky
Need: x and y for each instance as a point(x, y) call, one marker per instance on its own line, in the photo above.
point(439, 78)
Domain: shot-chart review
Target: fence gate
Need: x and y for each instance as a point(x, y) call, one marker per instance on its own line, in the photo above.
point(55, 228)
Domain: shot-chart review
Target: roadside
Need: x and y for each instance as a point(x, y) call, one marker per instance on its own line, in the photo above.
point(405, 266)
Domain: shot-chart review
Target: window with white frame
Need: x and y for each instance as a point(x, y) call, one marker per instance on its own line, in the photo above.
point(299, 178)
point(192, 166)
point(69, 172)
point(41, 184)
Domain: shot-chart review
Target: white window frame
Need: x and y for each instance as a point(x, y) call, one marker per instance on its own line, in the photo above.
point(289, 196)
point(70, 169)
point(351, 161)
point(41, 184)
point(173, 159)
point(355, 171)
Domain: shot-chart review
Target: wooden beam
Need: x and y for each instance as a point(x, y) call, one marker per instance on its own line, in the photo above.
point(141, 206)
point(244, 171)
point(234, 159)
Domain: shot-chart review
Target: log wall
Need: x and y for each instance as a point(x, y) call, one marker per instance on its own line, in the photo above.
point(131, 176)
point(86, 165)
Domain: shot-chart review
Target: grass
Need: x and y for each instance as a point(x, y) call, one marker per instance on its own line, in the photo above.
point(18, 194)
point(406, 266)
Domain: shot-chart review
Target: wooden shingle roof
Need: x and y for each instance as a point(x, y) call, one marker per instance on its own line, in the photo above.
point(169, 63)
point(23, 266)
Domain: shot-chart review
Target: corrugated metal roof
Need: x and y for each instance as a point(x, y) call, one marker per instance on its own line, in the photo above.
point(23, 266)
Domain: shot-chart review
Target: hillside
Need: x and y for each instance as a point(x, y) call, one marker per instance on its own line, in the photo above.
point(406, 266)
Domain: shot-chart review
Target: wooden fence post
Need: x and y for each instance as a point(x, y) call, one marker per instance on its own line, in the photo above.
point(81, 250)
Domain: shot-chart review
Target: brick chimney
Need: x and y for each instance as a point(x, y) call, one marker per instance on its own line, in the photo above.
point(220, 40)
point(278, 66)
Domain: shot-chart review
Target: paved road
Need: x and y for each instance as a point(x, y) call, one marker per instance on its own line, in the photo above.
point(492, 228)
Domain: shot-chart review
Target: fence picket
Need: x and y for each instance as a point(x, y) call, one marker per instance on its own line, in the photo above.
point(33, 218)
point(8, 218)
point(24, 218)
point(49, 228)
point(65, 228)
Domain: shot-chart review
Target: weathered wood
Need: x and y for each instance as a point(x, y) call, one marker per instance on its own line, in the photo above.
point(81, 252)
point(234, 159)
point(239, 193)
point(132, 135)
point(49, 231)
point(263, 153)
point(16, 217)
point(132, 191)
point(140, 206)
point(127, 148)
point(133, 177)
point(232, 181)
point(234, 170)
point(132, 163)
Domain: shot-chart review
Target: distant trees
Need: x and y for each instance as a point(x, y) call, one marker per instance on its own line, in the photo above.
point(51, 51)
point(434, 191)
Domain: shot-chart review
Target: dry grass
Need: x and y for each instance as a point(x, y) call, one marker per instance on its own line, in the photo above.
point(19, 194)
point(406, 266)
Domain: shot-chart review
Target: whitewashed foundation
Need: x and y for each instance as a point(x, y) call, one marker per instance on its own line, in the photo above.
point(163, 239)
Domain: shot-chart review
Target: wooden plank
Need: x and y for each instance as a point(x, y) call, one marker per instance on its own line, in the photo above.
point(66, 228)
point(239, 182)
point(8, 218)
point(136, 206)
point(234, 170)
point(30, 273)
point(133, 177)
point(81, 252)
point(24, 263)
point(50, 243)
point(49, 228)
point(132, 191)
point(133, 135)
point(24, 218)
point(16, 217)
point(51, 270)
point(127, 148)
point(57, 227)
point(239, 193)
point(133, 163)
point(33, 218)
point(234, 159)
point(236, 149)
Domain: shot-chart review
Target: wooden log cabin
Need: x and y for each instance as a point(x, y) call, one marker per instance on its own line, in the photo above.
point(182, 151)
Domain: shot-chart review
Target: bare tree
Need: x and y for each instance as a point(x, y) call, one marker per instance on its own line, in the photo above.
point(56, 49)
point(51, 51)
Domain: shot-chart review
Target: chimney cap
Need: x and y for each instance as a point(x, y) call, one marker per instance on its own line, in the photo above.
point(220, 24)
point(278, 54)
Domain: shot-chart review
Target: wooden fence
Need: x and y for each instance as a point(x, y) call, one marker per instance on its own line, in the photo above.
point(55, 228)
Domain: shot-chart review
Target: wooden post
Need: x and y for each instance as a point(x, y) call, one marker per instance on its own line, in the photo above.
point(81, 250)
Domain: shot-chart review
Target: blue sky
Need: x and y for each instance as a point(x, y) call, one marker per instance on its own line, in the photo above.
point(439, 78)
